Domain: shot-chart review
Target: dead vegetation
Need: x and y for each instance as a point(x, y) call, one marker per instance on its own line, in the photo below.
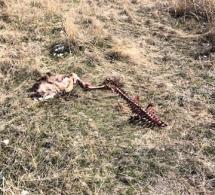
point(199, 9)
point(203, 11)
point(83, 145)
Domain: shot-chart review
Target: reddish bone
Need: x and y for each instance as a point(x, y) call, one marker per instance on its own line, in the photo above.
point(136, 99)
point(147, 117)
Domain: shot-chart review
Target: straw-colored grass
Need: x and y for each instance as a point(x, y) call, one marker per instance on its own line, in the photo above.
point(200, 9)
point(85, 145)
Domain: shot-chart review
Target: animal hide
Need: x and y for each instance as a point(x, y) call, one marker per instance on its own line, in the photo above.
point(50, 85)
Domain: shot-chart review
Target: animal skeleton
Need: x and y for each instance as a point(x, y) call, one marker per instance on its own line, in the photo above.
point(145, 117)
point(50, 85)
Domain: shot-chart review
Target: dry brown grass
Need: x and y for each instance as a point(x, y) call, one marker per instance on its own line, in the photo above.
point(199, 9)
point(85, 145)
point(71, 29)
point(81, 25)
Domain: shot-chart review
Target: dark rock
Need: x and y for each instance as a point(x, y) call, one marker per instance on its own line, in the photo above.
point(60, 49)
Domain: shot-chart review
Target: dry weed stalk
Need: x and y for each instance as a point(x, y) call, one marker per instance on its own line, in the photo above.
point(71, 29)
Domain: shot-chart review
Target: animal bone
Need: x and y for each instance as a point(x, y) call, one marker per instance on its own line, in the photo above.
point(50, 85)
point(146, 117)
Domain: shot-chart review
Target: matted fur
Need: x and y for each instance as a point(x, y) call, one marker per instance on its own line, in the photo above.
point(50, 85)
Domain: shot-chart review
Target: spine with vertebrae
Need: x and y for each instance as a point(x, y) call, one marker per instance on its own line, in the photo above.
point(146, 117)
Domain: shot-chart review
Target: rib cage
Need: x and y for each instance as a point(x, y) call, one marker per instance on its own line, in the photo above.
point(147, 118)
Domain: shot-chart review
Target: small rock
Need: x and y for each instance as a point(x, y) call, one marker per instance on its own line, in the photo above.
point(60, 49)
point(6, 142)
point(24, 192)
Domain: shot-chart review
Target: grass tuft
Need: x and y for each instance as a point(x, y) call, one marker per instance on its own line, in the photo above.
point(199, 9)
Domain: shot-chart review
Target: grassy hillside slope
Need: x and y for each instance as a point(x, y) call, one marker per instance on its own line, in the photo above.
point(85, 145)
